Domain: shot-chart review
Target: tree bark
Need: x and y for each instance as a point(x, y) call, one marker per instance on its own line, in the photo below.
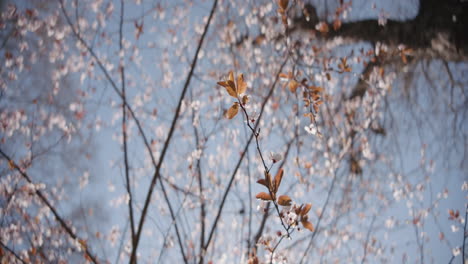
point(438, 30)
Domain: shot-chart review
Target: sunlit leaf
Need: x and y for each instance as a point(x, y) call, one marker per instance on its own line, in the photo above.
point(264, 196)
point(232, 111)
point(231, 76)
point(224, 84)
point(230, 87)
point(284, 200)
point(241, 84)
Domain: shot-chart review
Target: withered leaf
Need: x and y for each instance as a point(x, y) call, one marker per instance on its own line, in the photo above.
point(308, 225)
point(283, 76)
point(263, 182)
point(232, 111)
point(230, 87)
point(284, 200)
point(241, 84)
point(278, 178)
point(305, 209)
point(264, 196)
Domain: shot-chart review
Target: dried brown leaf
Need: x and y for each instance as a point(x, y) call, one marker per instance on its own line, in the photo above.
point(284, 200)
point(263, 182)
point(264, 196)
point(278, 178)
point(241, 84)
point(231, 76)
point(308, 225)
point(230, 87)
point(305, 209)
point(283, 76)
point(232, 111)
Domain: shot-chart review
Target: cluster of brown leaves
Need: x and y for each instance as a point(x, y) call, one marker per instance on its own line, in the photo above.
point(312, 95)
point(284, 200)
point(273, 185)
point(235, 88)
point(302, 212)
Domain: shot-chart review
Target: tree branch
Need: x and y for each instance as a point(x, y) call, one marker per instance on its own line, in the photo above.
point(57, 216)
point(171, 131)
point(433, 29)
point(12, 252)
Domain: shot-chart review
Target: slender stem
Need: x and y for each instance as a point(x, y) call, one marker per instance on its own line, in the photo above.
point(233, 175)
point(277, 244)
point(367, 240)
point(174, 217)
point(200, 189)
point(267, 170)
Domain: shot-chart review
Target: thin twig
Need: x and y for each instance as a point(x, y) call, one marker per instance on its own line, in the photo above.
point(174, 217)
point(367, 240)
point(200, 189)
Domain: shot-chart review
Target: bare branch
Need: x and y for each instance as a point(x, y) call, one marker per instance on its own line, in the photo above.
point(171, 131)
